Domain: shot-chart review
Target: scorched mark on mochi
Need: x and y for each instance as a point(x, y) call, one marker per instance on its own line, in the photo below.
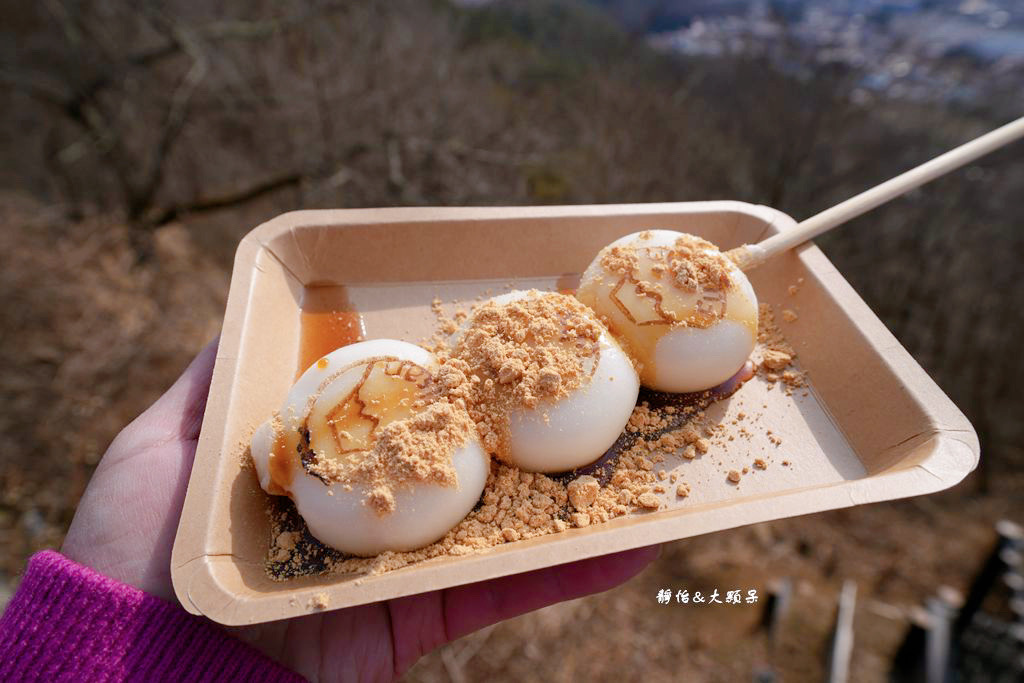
point(710, 307)
point(355, 408)
point(308, 456)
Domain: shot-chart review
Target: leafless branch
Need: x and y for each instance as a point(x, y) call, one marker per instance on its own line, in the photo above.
point(223, 201)
point(143, 195)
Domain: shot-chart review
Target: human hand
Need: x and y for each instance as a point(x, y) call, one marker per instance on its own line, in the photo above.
point(126, 521)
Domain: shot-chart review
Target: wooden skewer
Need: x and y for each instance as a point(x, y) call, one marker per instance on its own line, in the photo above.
point(750, 256)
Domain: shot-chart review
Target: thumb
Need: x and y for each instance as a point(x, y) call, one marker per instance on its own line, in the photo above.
point(178, 414)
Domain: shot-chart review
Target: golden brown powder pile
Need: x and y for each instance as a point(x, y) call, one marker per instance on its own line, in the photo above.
point(696, 263)
point(284, 544)
point(515, 505)
point(519, 355)
point(692, 264)
point(775, 354)
point(415, 450)
point(446, 326)
point(688, 436)
point(620, 260)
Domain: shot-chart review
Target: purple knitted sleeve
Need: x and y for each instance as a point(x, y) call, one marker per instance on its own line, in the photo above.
point(67, 622)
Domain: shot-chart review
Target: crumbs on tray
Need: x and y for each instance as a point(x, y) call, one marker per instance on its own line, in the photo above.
point(518, 505)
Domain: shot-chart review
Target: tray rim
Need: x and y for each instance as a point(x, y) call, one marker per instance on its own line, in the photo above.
point(945, 453)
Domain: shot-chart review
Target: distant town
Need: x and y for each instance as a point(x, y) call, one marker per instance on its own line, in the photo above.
point(954, 51)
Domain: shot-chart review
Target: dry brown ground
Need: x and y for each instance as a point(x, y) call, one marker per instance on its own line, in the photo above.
point(91, 337)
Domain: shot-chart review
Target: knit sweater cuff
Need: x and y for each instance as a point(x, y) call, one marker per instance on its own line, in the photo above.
point(68, 621)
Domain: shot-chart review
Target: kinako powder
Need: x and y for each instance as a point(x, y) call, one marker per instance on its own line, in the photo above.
point(521, 354)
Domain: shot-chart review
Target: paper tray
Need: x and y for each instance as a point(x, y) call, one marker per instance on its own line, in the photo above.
point(872, 425)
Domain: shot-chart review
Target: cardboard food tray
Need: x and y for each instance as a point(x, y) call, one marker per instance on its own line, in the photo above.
point(870, 426)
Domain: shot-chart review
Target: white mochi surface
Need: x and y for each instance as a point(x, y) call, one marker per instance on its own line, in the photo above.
point(339, 517)
point(684, 359)
point(578, 429)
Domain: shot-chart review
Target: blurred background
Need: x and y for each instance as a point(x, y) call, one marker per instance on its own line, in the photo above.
point(141, 141)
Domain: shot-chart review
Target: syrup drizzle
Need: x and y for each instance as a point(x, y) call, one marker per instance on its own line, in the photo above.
point(327, 321)
point(602, 468)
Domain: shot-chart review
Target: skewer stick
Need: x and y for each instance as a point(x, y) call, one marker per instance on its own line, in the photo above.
point(750, 256)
